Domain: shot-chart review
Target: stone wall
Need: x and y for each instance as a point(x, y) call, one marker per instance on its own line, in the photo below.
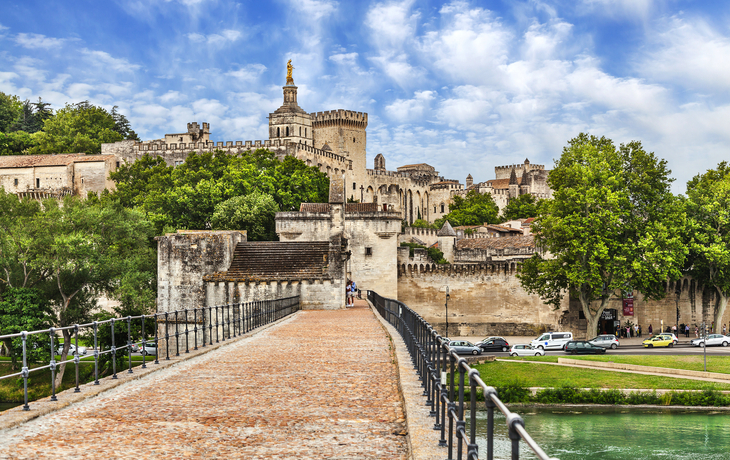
point(483, 300)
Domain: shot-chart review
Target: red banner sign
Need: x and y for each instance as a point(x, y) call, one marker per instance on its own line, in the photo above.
point(628, 307)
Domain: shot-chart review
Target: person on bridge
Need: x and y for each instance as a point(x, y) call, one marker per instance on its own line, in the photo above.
point(650, 330)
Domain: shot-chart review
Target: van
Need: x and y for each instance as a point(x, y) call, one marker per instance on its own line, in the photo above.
point(552, 340)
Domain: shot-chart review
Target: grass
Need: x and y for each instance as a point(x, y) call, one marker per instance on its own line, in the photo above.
point(719, 364)
point(530, 374)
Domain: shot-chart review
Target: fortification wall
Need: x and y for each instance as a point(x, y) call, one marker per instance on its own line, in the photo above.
point(504, 172)
point(486, 299)
point(373, 242)
point(426, 236)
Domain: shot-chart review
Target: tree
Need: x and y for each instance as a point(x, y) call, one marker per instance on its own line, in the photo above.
point(185, 197)
point(25, 309)
point(474, 209)
point(708, 212)
point(521, 207)
point(93, 244)
point(420, 223)
point(10, 111)
point(612, 224)
point(253, 212)
point(122, 125)
point(76, 128)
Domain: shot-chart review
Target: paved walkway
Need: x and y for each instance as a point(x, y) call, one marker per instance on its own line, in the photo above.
point(321, 384)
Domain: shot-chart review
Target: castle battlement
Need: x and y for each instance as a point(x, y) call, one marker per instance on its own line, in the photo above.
point(340, 116)
point(316, 151)
point(228, 145)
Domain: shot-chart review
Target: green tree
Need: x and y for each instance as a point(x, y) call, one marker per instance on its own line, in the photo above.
point(25, 309)
point(11, 109)
point(708, 212)
point(92, 246)
point(76, 128)
point(474, 209)
point(16, 143)
point(521, 207)
point(122, 125)
point(253, 212)
point(185, 197)
point(612, 224)
point(420, 223)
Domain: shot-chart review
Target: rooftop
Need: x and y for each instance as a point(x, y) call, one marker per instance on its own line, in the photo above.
point(527, 241)
point(65, 159)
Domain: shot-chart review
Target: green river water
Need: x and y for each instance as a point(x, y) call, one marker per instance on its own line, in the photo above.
point(616, 433)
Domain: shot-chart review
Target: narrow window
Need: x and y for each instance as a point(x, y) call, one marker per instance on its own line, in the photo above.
point(434, 209)
point(16, 182)
point(368, 251)
point(278, 132)
point(442, 208)
point(82, 180)
point(353, 186)
point(300, 131)
point(37, 183)
point(117, 164)
point(353, 139)
point(305, 133)
point(180, 140)
point(287, 131)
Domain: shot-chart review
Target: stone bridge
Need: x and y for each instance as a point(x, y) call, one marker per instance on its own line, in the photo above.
point(316, 384)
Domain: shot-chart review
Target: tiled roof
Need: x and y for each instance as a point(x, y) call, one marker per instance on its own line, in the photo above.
point(26, 161)
point(411, 166)
point(314, 207)
point(446, 182)
point(498, 183)
point(528, 221)
point(446, 230)
point(527, 241)
point(502, 228)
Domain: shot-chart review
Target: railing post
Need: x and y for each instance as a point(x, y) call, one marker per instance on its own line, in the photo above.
point(52, 333)
point(144, 345)
point(472, 448)
point(96, 355)
point(157, 340)
point(488, 395)
point(177, 334)
point(195, 328)
point(460, 423)
point(77, 358)
point(167, 337)
point(114, 353)
point(187, 332)
point(129, 343)
point(512, 421)
point(210, 324)
point(24, 371)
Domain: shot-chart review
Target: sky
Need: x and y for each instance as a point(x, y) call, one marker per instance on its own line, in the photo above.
point(464, 86)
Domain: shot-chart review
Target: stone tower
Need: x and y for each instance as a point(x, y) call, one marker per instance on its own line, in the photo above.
point(290, 122)
point(514, 188)
point(469, 181)
point(447, 241)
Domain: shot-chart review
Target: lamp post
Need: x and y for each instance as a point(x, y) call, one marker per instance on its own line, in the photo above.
point(447, 311)
point(704, 344)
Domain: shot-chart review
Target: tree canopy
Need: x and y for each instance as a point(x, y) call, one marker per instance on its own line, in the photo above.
point(186, 196)
point(612, 224)
point(521, 207)
point(474, 209)
point(708, 213)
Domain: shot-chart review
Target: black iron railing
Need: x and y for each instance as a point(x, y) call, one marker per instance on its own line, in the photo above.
point(438, 366)
point(224, 321)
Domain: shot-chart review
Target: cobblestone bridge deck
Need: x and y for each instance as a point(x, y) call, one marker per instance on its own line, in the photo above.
point(320, 384)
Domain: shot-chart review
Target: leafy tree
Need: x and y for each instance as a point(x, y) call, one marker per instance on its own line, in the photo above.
point(612, 224)
point(122, 125)
point(708, 212)
point(434, 253)
point(420, 223)
point(93, 244)
point(16, 143)
point(10, 111)
point(186, 197)
point(521, 207)
point(474, 209)
point(25, 309)
point(80, 127)
point(253, 212)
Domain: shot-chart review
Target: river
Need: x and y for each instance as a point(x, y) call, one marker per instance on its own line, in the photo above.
point(618, 433)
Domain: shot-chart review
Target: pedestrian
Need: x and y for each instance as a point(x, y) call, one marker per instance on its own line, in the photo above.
point(686, 330)
point(674, 329)
point(636, 330)
point(697, 331)
point(639, 330)
point(348, 292)
point(628, 332)
point(650, 330)
point(724, 329)
point(354, 291)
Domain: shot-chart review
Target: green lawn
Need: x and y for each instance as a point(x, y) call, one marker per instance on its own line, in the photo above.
point(533, 374)
point(719, 364)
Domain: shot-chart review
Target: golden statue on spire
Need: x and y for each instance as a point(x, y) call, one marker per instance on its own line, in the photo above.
point(289, 78)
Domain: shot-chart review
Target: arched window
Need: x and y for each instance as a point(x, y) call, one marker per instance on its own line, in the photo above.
point(278, 132)
point(442, 208)
point(300, 131)
point(287, 131)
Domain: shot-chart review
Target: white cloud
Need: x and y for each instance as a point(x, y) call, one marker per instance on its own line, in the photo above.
point(344, 58)
point(38, 41)
point(415, 109)
point(171, 96)
point(225, 37)
point(247, 74)
point(314, 10)
point(103, 59)
point(629, 9)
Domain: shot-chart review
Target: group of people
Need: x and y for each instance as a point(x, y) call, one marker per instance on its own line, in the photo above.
point(351, 291)
point(630, 331)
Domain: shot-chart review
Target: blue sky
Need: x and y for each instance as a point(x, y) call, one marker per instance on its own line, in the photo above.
point(464, 86)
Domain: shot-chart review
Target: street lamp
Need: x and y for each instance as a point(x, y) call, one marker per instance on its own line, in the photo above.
point(447, 311)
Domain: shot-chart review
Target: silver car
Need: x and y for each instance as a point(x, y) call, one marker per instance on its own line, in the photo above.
point(712, 339)
point(465, 347)
point(605, 341)
point(525, 350)
point(72, 350)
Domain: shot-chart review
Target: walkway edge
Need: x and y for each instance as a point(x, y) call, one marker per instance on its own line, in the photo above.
point(422, 439)
point(652, 369)
point(16, 416)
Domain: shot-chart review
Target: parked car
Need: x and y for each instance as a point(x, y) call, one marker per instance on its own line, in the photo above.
point(72, 350)
point(663, 340)
point(494, 344)
point(712, 340)
point(525, 350)
point(149, 349)
point(583, 347)
point(674, 338)
point(605, 341)
point(552, 340)
point(464, 346)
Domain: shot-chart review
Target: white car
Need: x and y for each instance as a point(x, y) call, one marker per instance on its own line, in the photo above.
point(605, 341)
point(712, 339)
point(72, 350)
point(552, 340)
point(525, 350)
point(669, 334)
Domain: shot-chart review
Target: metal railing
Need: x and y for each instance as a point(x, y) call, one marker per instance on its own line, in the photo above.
point(223, 321)
point(438, 366)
